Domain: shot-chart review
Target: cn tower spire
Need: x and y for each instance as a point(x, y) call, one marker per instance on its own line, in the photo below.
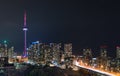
point(25, 18)
point(25, 35)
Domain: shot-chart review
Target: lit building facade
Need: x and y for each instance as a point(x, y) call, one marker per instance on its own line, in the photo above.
point(103, 52)
point(117, 52)
point(56, 52)
point(43, 53)
point(87, 54)
point(5, 51)
point(103, 60)
point(68, 55)
point(34, 51)
point(11, 52)
point(68, 50)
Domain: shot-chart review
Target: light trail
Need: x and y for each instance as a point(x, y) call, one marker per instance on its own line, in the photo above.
point(102, 72)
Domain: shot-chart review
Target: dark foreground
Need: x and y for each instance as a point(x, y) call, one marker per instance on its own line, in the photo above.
point(43, 71)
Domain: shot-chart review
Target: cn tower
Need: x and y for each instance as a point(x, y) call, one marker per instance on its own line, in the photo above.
point(25, 35)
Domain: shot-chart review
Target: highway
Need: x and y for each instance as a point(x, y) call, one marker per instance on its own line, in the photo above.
point(95, 70)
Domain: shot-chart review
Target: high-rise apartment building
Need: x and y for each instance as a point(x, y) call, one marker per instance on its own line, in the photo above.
point(68, 50)
point(117, 52)
point(43, 53)
point(56, 51)
point(11, 52)
point(103, 52)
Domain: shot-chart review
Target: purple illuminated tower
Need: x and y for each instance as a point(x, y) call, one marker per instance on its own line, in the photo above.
point(25, 33)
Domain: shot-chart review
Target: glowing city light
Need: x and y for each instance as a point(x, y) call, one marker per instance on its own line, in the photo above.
point(25, 29)
point(5, 41)
point(96, 70)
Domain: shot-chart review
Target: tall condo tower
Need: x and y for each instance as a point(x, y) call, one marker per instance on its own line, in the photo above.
point(118, 52)
point(25, 35)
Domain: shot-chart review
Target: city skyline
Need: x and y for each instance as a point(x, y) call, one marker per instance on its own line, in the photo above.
point(85, 24)
point(59, 37)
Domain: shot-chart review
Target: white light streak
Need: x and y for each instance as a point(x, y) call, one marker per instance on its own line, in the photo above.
point(102, 72)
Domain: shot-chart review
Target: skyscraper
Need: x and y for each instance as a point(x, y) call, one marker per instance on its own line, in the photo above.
point(103, 57)
point(87, 54)
point(68, 50)
point(103, 53)
point(117, 52)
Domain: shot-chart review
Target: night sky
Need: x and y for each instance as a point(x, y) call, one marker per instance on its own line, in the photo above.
point(85, 23)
